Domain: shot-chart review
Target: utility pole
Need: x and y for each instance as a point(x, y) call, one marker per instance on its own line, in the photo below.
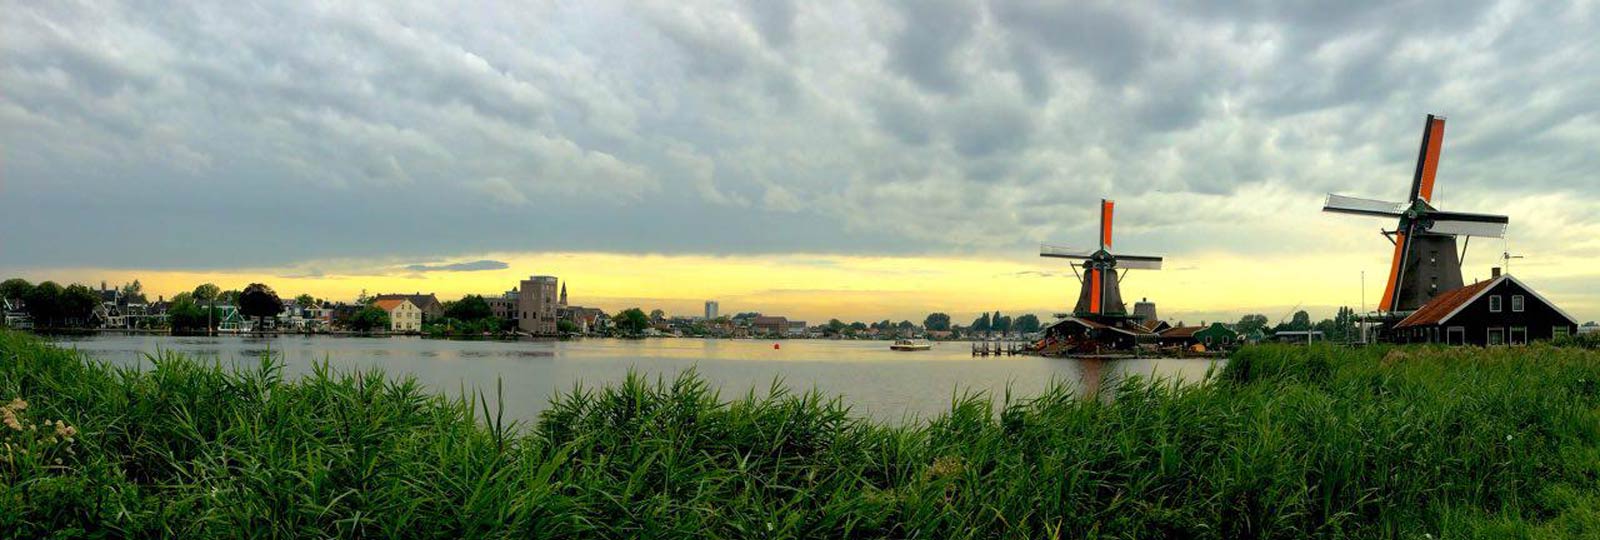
point(1362, 320)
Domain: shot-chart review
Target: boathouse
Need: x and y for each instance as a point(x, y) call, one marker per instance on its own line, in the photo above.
point(1500, 311)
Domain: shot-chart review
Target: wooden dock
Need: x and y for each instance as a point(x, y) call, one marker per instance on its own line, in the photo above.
point(1001, 348)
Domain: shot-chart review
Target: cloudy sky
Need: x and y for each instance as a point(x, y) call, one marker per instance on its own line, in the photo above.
point(849, 159)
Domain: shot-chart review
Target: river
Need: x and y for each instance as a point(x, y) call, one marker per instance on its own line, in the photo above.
point(873, 380)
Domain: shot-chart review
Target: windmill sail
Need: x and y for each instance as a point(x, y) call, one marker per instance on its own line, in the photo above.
point(1428, 159)
point(1366, 207)
point(1461, 223)
point(1138, 262)
point(1062, 252)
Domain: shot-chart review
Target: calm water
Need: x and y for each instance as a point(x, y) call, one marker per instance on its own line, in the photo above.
point(885, 384)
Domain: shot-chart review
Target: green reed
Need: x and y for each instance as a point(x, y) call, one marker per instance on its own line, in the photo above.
point(1285, 442)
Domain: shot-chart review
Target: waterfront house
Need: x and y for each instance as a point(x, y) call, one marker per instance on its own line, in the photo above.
point(1500, 311)
point(15, 314)
point(1213, 336)
point(231, 321)
point(427, 303)
point(772, 326)
point(404, 316)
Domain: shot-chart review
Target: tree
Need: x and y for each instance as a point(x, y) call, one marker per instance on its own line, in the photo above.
point(78, 302)
point(1300, 321)
point(1251, 323)
point(656, 315)
point(1027, 324)
point(982, 324)
point(858, 326)
point(15, 289)
point(631, 320)
point(44, 303)
point(368, 318)
point(1000, 323)
point(566, 327)
point(186, 315)
point(134, 292)
point(836, 326)
point(906, 325)
point(259, 301)
point(471, 307)
point(207, 293)
point(305, 300)
point(936, 321)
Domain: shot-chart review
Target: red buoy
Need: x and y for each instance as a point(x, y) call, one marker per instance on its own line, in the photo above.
point(774, 346)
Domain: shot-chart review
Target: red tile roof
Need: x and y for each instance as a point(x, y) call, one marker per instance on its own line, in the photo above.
point(1435, 311)
point(1182, 331)
point(389, 304)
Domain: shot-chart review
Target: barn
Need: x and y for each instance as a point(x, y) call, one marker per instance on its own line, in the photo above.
point(1500, 311)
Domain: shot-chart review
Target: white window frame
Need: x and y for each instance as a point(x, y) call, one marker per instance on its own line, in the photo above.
point(1489, 334)
point(1494, 304)
point(1560, 330)
point(1518, 304)
point(1459, 331)
point(1511, 337)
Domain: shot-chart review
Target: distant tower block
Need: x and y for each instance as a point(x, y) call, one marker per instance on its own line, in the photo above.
point(712, 309)
point(1145, 310)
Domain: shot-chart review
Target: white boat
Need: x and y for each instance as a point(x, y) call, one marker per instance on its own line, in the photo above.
point(911, 345)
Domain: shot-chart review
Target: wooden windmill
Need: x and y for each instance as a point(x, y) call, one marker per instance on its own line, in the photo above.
point(1425, 262)
point(1100, 296)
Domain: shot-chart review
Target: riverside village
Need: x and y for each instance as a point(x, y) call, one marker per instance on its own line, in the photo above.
point(1426, 299)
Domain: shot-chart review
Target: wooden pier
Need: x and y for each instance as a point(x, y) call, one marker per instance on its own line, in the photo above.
point(1001, 348)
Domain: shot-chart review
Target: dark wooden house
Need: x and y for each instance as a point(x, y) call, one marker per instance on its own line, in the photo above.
point(1214, 336)
point(1500, 311)
point(1073, 335)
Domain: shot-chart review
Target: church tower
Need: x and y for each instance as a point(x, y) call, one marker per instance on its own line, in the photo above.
point(563, 293)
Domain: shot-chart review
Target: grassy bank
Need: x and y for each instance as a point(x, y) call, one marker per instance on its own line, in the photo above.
point(1284, 443)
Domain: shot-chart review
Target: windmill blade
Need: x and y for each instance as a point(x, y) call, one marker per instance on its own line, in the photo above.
point(1428, 159)
point(1365, 207)
point(1138, 262)
point(1107, 208)
point(1462, 223)
point(1062, 252)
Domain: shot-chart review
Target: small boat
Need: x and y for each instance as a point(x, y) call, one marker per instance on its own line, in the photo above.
point(911, 345)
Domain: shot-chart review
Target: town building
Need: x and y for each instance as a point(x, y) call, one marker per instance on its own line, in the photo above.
point(538, 303)
point(797, 328)
point(429, 304)
point(1500, 311)
point(712, 309)
point(504, 306)
point(772, 326)
point(404, 316)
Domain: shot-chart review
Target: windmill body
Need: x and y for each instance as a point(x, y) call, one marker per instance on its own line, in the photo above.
point(1100, 320)
point(1426, 262)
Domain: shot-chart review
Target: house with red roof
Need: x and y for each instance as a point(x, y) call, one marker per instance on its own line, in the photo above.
point(1500, 311)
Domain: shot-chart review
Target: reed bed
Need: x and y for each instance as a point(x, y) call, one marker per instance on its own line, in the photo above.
point(1285, 442)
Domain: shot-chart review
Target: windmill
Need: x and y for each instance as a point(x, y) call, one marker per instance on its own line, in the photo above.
point(1425, 262)
point(1100, 297)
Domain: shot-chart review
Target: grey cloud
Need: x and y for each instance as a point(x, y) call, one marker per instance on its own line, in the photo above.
point(474, 266)
point(933, 31)
point(256, 136)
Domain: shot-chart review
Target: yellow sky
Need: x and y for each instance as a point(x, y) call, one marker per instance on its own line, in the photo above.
point(814, 288)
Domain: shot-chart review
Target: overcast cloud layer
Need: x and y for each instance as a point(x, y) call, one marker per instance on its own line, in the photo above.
point(158, 136)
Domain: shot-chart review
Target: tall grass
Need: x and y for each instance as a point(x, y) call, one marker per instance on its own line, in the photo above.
point(1285, 442)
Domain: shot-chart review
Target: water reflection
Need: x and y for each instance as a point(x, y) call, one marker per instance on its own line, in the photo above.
point(875, 381)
